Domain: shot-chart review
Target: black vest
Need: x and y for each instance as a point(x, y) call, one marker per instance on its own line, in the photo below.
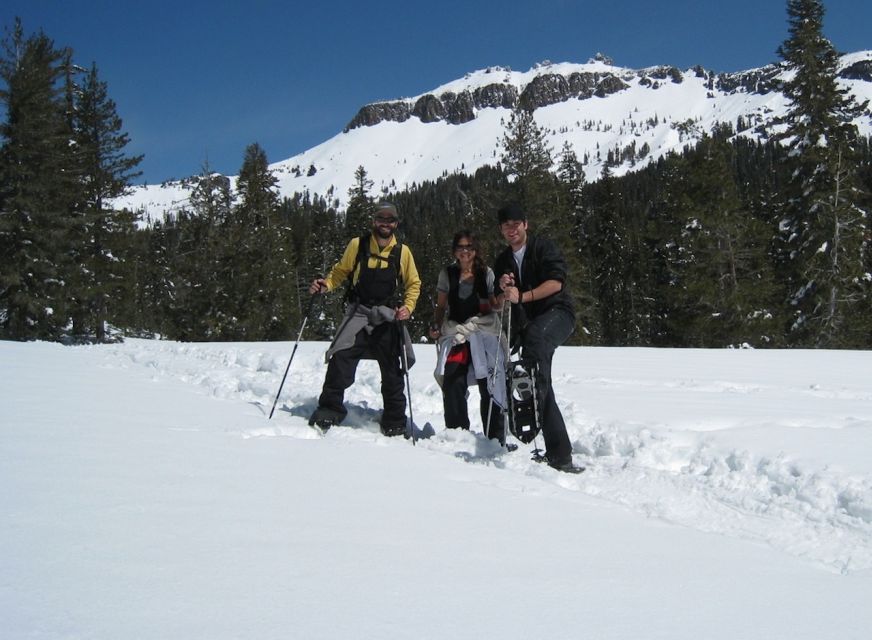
point(378, 286)
point(461, 310)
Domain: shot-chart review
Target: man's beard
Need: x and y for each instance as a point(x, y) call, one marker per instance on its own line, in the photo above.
point(384, 232)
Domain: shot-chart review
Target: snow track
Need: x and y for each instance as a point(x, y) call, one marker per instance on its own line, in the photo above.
point(765, 446)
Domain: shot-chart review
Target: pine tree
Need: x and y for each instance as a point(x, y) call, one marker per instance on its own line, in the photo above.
point(156, 281)
point(721, 281)
point(203, 245)
point(576, 245)
point(106, 173)
point(254, 267)
point(212, 196)
point(525, 150)
point(527, 158)
point(823, 222)
point(317, 239)
point(256, 187)
point(37, 191)
point(358, 214)
point(607, 243)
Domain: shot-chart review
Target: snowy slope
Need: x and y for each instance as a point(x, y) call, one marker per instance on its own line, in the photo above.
point(146, 495)
point(649, 111)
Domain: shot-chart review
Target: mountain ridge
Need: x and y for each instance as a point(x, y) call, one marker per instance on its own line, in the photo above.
point(595, 106)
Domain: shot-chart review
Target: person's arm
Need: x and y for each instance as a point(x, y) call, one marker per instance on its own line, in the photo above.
point(490, 280)
point(439, 314)
point(547, 288)
point(504, 277)
point(411, 283)
point(551, 264)
point(340, 271)
point(550, 271)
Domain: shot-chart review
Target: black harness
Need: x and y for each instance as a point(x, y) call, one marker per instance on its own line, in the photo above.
point(379, 285)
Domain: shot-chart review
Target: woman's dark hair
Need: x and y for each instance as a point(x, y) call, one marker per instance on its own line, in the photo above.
point(478, 263)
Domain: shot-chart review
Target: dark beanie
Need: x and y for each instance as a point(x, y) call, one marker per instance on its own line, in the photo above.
point(511, 211)
point(386, 207)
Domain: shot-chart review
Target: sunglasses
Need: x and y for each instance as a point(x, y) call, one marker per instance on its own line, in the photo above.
point(464, 247)
point(386, 219)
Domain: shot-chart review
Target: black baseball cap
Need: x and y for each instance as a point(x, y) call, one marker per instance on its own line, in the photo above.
point(511, 211)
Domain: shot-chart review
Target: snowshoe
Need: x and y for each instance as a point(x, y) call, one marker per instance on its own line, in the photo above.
point(565, 466)
point(524, 421)
point(324, 418)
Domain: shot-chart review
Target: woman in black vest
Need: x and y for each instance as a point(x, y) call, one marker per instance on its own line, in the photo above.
point(467, 333)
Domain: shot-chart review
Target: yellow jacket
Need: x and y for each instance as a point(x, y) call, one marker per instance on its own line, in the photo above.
point(408, 271)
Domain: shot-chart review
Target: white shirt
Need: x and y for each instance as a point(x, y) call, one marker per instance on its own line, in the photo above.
point(519, 260)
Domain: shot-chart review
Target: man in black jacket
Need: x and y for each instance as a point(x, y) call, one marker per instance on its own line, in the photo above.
point(531, 274)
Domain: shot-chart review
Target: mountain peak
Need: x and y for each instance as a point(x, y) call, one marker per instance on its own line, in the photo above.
point(600, 109)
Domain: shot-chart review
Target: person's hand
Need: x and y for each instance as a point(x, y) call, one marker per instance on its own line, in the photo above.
point(434, 331)
point(507, 280)
point(512, 294)
point(402, 314)
point(319, 285)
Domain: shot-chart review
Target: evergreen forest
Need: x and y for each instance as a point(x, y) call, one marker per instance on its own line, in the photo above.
point(731, 243)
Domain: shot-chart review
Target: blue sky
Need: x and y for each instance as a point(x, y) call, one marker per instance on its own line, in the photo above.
point(200, 80)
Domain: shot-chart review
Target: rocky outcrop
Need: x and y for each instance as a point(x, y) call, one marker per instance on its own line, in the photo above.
point(762, 80)
point(552, 88)
point(610, 84)
point(583, 85)
point(860, 70)
point(666, 73)
point(549, 88)
point(457, 108)
point(372, 114)
point(495, 96)
point(429, 108)
point(461, 107)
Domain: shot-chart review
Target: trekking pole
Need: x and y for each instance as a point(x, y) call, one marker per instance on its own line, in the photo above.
point(493, 377)
point(405, 360)
point(296, 344)
point(507, 420)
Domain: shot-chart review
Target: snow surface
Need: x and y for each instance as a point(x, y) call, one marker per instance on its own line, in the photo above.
point(145, 494)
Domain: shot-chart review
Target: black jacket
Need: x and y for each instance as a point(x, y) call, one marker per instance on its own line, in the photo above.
point(542, 261)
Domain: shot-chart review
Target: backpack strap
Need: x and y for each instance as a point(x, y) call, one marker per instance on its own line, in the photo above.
point(395, 258)
point(362, 262)
point(364, 254)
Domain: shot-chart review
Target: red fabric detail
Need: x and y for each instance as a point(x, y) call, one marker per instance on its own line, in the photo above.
point(458, 355)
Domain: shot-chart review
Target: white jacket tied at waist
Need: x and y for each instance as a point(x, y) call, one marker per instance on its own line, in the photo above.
point(488, 352)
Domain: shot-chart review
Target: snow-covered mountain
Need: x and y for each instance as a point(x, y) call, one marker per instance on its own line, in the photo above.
point(596, 107)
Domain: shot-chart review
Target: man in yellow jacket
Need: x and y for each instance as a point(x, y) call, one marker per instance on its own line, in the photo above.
point(369, 329)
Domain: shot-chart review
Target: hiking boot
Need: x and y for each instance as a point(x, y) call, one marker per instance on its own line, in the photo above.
point(566, 466)
point(324, 425)
point(393, 430)
point(325, 418)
